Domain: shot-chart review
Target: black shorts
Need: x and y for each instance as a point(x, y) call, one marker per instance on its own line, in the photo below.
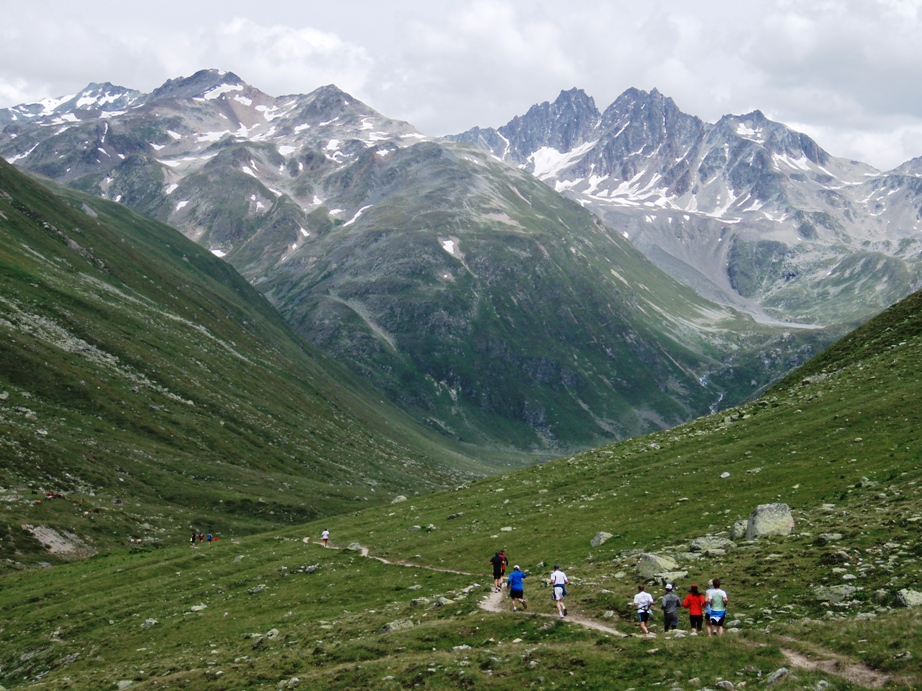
point(497, 574)
point(517, 594)
point(717, 618)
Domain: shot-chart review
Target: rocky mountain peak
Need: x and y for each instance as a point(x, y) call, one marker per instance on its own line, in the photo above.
point(199, 85)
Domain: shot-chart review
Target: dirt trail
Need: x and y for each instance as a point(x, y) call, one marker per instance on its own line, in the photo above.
point(825, 661)
point(494, 603)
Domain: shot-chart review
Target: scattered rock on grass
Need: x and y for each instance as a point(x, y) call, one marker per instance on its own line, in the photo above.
point(651, 564)
point(908, 598)
point(833, 593)
point(600, 538)
point(398, 625)
point(149, 622)
point(738, 530)
point(399, 498)
point(353, 547)
point(776, 676)
point(770, 519)
point(707, 543)
point(826, 538)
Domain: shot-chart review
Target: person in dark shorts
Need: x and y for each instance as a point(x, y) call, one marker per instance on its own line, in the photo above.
point(694, 603)
point(502, 553)
point(497, 562)
point(517, 588)
point(643, 601)
point(670, 604)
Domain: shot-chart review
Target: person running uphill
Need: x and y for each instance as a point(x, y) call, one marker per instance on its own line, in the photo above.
point(694, 603)
point(643, 601)
point(717, 599)
point(325, 537)
point(497, 562)
point(559, 583)
point(670, 606)
point(517, 588)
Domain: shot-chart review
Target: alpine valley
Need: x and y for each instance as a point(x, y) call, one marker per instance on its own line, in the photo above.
point(668, 268)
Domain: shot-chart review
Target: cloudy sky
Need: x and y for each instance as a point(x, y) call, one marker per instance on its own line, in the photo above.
point(846, 72)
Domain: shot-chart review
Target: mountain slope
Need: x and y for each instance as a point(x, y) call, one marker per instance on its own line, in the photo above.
point(745, 211)
point(484, 303)
point(840, 449)
point(140, 371)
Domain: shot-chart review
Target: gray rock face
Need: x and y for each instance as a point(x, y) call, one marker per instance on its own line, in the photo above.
point(651, 564)
point(770, 519)
point(353, 547)
point(909, 598)
point(707, 543)
point(834, 593)
point(600, 538)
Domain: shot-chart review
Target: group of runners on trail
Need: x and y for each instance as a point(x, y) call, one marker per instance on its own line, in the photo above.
point(202, 538)
point(708, 608)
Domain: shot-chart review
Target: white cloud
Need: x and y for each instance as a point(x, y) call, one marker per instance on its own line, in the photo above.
point(846, 70)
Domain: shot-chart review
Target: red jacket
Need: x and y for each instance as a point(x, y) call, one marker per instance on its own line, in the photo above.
point(694, 604)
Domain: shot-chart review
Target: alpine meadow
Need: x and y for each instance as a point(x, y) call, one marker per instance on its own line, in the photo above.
point(643, 348)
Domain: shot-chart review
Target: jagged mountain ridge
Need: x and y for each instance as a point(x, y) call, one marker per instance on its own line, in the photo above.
point(745, 210)
point(478, 298)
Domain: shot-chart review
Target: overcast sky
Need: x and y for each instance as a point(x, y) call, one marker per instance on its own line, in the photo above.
point(846, 72)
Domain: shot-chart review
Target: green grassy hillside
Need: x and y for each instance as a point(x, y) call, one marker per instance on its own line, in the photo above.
point(841, 447)
point(149, 384)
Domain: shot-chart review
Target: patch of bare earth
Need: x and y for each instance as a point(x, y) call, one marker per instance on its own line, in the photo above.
point(851, 671)
point(63, 544)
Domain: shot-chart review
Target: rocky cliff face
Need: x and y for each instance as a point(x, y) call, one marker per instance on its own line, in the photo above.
point(480, 299)
point(745, 210)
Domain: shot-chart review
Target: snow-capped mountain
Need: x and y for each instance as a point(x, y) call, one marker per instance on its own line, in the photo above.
point(745, 210)
point(476, 296)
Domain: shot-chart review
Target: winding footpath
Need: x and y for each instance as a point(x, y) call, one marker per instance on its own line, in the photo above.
point(823, 660)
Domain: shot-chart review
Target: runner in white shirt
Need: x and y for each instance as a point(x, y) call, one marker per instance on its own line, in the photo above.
point(325, 536)
point(558, 590)
point(643, 601)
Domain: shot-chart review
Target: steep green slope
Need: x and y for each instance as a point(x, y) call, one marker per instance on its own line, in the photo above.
point(150, 384)
point(502, 313)
point(842, 450)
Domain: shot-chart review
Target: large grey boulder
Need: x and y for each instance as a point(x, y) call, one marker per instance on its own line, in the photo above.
point(600, 538)
point(651, 564)
point(908, 598)
point(770, 519)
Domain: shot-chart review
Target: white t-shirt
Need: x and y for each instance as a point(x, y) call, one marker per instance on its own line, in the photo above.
point(558, 578)
point(325, 535)
point(643, 600)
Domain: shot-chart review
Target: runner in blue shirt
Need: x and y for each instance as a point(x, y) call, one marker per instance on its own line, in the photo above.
point(516, 587)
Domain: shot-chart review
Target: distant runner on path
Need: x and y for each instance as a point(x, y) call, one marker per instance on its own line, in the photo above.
point(325, 537)
point(517, 588)
point(559, 582)
point(497, 562)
